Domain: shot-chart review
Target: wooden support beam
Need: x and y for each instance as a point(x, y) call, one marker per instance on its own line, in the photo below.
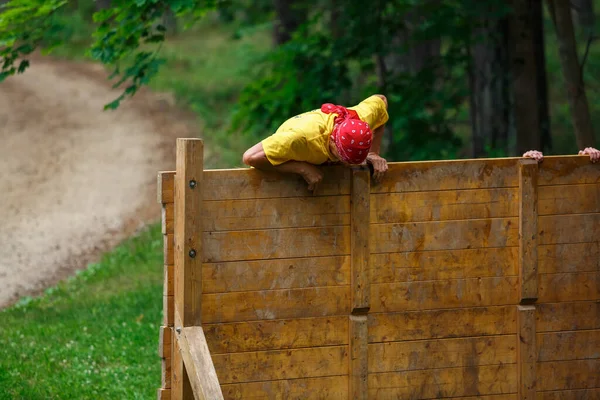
point(528, 218)
point(526, 352)
point(198, 364)
point(165, 187)
point(359, 240)
point(180, 383)
point(359, 361)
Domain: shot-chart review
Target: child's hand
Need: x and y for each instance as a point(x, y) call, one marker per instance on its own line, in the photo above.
point(380, 166)
point(313, 176)
point(592, 152)
point(536, 155)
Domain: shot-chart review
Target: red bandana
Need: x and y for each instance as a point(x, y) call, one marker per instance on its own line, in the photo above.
point(352, 137)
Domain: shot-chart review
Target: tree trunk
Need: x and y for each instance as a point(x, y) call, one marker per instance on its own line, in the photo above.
point(572, 72)
point(524, 76)
point(289, 16)
point(542, 80)
point(584, 12)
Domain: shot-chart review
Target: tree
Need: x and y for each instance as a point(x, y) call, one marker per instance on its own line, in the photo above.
point(572, 72)
point(584, 11)
point(289, 15)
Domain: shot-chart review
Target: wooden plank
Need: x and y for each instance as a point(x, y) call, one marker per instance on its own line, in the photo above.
point(275, 274)
point(444, 294)
point(198, 364)
point(276, 243)
point(568, 170)
point(569, 199)
point(168, 251)
point(252, 184)
point(276, 335)
point(359, 243)
point(440, 324)
point(526, 352)
point(568, 316)
point(573, 374)
point(168, 218)
point(163, 394)
point(168, 281)
point(289, 212)
point(180, 383)
point(359, 357)
point(578, 394)
point(449, 175)
point(574, 257)
point(438, 383)
point(569, 287)
point(573, 345)
point(557, 229)
point(165, 343)
point(330, 388)
point(444, 205)
point(281, 364)
point(442, 353)
point(165, 187)
point(168, 310)
point(166, 373)
point(445, 235)
point(188, 248)
point(276, 304)
point(528, 218)
point(443, 264)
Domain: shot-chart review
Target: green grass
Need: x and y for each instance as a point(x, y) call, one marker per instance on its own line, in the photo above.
point(94, 336)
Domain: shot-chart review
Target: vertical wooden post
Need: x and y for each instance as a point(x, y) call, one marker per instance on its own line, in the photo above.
point(187, 252)
point(360, 258)
point(526, 352)
point(528, 216)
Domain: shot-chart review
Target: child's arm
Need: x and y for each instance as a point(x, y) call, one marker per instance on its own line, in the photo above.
point(379, 163)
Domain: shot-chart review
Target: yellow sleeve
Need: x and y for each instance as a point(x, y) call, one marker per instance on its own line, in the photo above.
point(284, 146)
point(373, 111)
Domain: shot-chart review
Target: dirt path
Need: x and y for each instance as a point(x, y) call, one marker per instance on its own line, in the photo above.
point(74, 180)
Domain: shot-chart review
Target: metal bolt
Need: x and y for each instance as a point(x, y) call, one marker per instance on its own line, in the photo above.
point(192, 184)
point(178, 329)
point(192, 253)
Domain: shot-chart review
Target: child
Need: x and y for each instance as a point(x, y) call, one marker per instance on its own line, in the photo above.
point(350, 136)
point(592, 152)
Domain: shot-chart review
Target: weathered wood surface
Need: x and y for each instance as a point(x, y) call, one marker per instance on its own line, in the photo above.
point(526, 352)
point(572, 374)
point(276, 335)
point(287, 273)
point(554, 317)
point(446, 235)
point(168, 218)
point(569, 287)
point(163, 394)
point(168, 249)
point(575, 257)
point(276, 304)
point(168, 310)
point(359, 357)
point(281, 364)
point(578, 228)
point(359, 245)
point(331, 387)
point(199, 364)
point(577, 394)
point(571, 345)
point(569, 199)
point(561, 170)
point(443, 264)
point(528, 220)
point(165, 342)
point(441, 324)
point(168, 280)
point(485, 380)
point(165, 187)
point(443, 205)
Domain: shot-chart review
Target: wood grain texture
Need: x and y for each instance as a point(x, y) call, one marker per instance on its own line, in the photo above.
point(528, 218)
point(526, 352)
point(287, 273)
point(165, 343)
point(180, 383)
point(168, 310)
point(276, 304)
point(281, 364)
point(276, 335)
point(445, 382)
point(165, 187)
point(578, 394)
point(576, 257)
point(276, 243)
point(568, 170)
point(441, 324)
point(444, 294)
point(168, 280)
point(250, 183)
point(359, 243)
point(573, 345)
point(558, 229)
point(569, 287)
point(443, 264)
point(444, 205)
point(568, 316)
point(567, 375)
point(168, 249)
point(199, 364)
point(188, 228)
point(442, 353)
point(359, 357)
point(330, 388)
point(569, 199)
point(165, 373)
point(449, 175)
point(163, 394)
point(291, 212)
point(168, 218)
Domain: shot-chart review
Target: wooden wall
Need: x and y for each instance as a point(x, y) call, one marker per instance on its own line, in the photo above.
point(454, 279)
